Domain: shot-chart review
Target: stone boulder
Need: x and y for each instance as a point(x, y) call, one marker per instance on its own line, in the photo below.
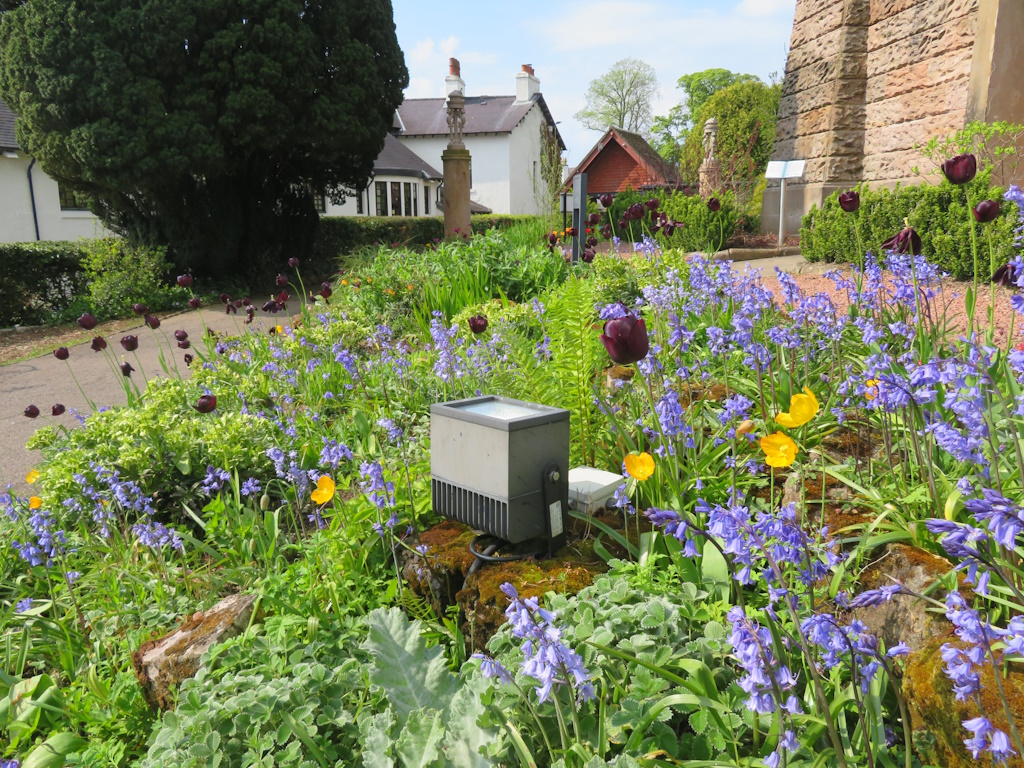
point(162, 664)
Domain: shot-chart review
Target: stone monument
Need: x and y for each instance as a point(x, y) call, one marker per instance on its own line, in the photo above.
point(456, 161)
point(710, 171)
point(866, 80)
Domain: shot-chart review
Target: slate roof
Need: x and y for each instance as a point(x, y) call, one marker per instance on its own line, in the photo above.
point(484, 114)
point(396, 159)
point(7, 140)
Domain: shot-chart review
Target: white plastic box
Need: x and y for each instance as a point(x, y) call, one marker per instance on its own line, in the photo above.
point(590, 489)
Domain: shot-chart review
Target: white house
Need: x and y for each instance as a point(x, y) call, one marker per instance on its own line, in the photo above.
point(403, 184)
point(502, 134)
point(32, 205)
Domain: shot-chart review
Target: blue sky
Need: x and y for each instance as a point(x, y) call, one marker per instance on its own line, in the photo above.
point(571, 42)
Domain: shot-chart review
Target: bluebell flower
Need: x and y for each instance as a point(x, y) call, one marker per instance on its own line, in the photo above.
point(214, 481)
point(250, 487)
point(23, 605)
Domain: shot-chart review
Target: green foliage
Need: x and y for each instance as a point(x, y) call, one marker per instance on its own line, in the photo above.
point(704, 230)
point(621, 98)
point(120, 275)
point(999, 146)
point(939, 213)
point(698, 87)
point(189, 124)
point(41, 280)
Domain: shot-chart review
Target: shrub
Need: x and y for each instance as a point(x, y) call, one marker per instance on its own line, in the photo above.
point(938, 212)
point(40, 280)
point(703, 229)
point(120, 275)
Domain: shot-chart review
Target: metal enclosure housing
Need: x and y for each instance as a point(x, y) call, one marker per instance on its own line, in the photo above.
point(488, 472)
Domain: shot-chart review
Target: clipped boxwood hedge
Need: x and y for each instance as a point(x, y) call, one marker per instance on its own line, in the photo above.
point(40, 280)
point(939, 213)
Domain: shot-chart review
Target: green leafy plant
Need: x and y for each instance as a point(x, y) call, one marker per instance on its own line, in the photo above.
point(121, 275)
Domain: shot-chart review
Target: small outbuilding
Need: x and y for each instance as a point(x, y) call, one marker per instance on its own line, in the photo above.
point(624, 160)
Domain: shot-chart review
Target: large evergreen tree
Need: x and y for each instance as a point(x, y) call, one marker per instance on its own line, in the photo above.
point(207, 125)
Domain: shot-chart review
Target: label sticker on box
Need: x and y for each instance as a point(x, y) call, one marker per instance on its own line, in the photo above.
point(556, 518)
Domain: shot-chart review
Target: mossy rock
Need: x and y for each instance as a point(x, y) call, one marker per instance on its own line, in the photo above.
point(937, 717)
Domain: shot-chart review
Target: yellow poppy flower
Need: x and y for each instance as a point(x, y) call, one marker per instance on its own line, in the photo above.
point(34, 502)
point(31, 477)
point(872, 385)
point(779, 450)
point(640, 467)
point(280, 329)
point(802, 408)
point(324, 490)
point(344, 282)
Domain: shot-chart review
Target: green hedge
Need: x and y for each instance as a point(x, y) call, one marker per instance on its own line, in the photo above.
point(939, 213)
point(702, 229)
point(340, 235)
point(40, 280)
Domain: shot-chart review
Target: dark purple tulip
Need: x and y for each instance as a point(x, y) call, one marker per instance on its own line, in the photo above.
point(57, 410)
point(625, 338)
point(153, 321)
point(126, 368)
point(229, 308)
point(271, 306)
point(587, 256)
point(225, 299)
point(652, 204)
point(181, 335)
point(714, 204)
point(571, 232)
point(606, 200)
point(87, 321)
point(1006, 275)
point(140, 309)
point(250, 312)
point(130, 343)
point(669, 229)
point(622, 222)
point(655, 229)
point(206, 404)
point(293, 263)
point(326, 290)
point(282, 280)
point(61, 353)
point(986, 211)
point(906, 242)
point(246, 302)
point(961, 169)
point(188, 359)
point(593, 218)
point(849, 201)
point(591, 242)
point(184, 344)
point(237, 303)
point(185, 281)
point(478, 323)
point(195, 302)
point(552, 239)
point(635, 212)
point(32, 412)
point(606, 231)
point(99, 344)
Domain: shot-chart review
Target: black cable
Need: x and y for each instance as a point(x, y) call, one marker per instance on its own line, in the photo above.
point(488, 558)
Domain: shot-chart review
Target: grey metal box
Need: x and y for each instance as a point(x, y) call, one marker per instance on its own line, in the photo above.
point(487, 460)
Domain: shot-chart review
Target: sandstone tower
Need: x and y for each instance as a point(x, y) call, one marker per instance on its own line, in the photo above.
point(868, 79)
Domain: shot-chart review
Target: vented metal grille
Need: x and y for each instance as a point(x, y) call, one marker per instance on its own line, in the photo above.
point(482, 513)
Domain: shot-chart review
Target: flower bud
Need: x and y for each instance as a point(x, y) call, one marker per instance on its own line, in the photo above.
point(185, 281)
point(32, 412)
point(61, 353)
point(153, 321)
point(99, 344)
point(960, 169)
point(195, 302)
point(181, 335)
point(293, 263)
point(206, 404)
point(126, 368)
point(714, 204)
point(265, 502)
point(849, 201)
point(606, 200)
point(478, 324)
point(130, 343)
point(140, 309)
point(57, 410)
point(87, 321)
point(986, 211)
point(625, 338)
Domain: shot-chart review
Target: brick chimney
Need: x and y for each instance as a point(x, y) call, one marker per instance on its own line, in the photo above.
point(454, 80)
point(527, 84)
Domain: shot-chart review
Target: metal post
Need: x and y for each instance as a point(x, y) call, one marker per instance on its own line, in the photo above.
point(579, 214)
point(782, 214)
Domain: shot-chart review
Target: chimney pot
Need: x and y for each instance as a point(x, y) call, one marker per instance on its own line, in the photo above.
point(453, 67)
point(528, 69)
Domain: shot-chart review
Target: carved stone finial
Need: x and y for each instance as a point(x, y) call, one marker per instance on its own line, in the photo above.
point(456, 119)
point(710, 136)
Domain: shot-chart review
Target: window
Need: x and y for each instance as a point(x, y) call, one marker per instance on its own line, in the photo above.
point(382, 198)
point(426, 200)
point(70, 200)
point(415, 200)
point(320, 202)
point(359, 203)
point(396, 198)
point(408, 199)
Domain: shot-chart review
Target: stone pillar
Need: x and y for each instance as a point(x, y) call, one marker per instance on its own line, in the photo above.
point(710, 171)
point(456, 162)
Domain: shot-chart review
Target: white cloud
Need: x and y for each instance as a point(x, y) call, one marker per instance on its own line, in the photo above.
point(761, 8)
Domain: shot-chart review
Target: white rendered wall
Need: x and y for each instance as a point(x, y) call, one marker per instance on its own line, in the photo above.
point(527, 195)
point(16, 207)
point(489, 162)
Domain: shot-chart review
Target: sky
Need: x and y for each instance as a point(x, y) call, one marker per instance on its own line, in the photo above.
point(571, 42)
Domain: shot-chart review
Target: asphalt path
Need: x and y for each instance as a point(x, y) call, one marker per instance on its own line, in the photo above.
point(46, 381)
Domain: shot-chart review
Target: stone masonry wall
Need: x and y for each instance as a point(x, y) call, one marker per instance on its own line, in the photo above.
point(867, 79)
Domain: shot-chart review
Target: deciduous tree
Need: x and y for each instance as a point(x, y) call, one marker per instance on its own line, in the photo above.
point(207, 125)
point(621, 97)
